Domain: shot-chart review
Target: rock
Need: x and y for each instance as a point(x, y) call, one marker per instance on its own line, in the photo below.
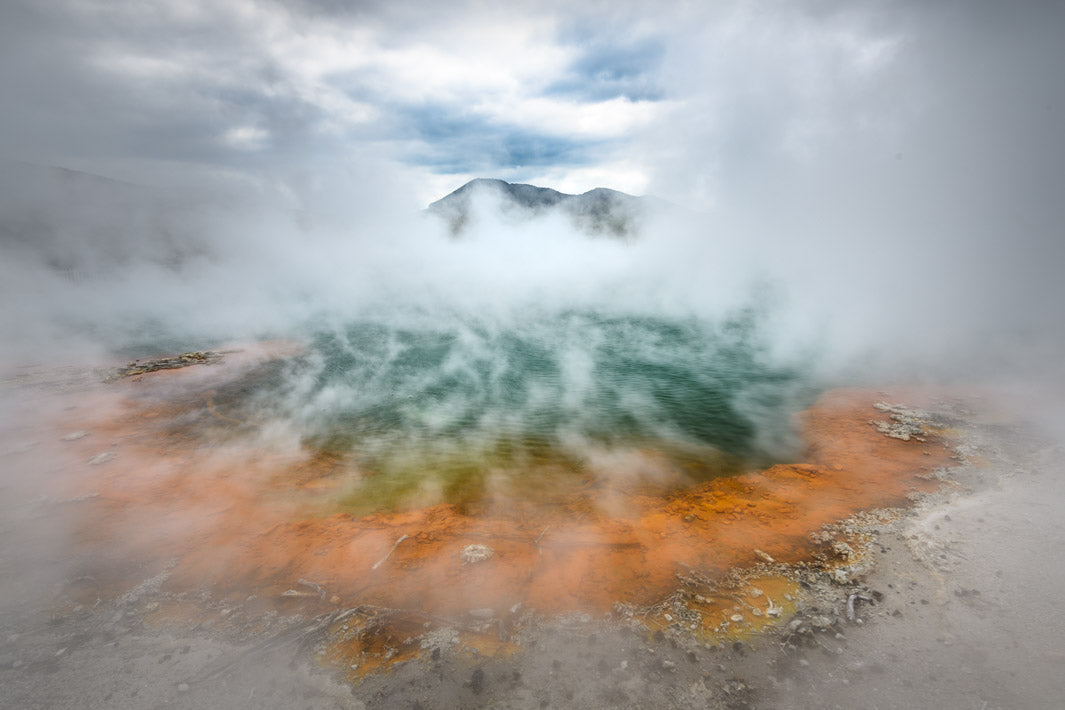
point(820, 622)
point(669, 666)
point(100, 458)
point(439, 640)
point(298, 594)
point(842, 549)
point(167, 363)
point(477, 681)
point(183, 687)
point(472, 554)
point(75, 435)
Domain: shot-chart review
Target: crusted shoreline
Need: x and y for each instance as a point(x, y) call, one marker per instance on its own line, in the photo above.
point(817, 641)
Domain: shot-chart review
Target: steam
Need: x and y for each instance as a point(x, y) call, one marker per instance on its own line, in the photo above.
point(849, 203)
point(857, 192)
point(845, 165)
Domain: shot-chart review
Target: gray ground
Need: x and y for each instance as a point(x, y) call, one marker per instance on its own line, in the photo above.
point(967, 587)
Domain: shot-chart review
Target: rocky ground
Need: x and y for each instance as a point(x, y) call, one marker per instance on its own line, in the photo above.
point(948, 605)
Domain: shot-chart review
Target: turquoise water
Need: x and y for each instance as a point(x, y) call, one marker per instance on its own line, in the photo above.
point(449, 407)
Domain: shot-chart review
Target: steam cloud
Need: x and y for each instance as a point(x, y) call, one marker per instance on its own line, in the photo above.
point(861, 191)
point(886, 170)
point(871, 188)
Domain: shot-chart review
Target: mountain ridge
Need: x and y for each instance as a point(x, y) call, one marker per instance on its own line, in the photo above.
point(598, 211)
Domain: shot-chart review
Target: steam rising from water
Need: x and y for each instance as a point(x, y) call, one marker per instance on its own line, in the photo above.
point(437, 366)
point(884, 179)
point(433, 365)
point(447, 403)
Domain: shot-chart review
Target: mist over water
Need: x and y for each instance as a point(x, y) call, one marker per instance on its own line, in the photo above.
point(436, 367)
point(428, 403)
point(859, 193)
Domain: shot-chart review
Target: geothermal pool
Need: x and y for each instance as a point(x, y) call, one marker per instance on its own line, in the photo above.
point(472, 474)
point(463, 410)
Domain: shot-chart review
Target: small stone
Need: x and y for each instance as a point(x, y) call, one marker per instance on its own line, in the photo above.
point(669, 666)
point(477, 681)
point(820, 622)
point(100, 458)
point(75, 435)
point(839, 576)
point(183, 687)
point(472, 554)
point(736, 618)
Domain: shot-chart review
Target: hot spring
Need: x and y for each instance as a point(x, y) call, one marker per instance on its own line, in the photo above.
point(466, 410)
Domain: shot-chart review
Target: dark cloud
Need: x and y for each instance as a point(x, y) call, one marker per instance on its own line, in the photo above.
point(134, 89)
point(138, 89)
point(610, 67)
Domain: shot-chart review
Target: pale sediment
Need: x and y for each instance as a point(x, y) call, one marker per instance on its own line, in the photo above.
point(677, 599)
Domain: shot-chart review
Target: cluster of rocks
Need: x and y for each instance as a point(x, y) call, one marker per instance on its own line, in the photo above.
point(138, 367)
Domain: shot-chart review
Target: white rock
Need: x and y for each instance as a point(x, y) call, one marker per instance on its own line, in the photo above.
point(476, 553)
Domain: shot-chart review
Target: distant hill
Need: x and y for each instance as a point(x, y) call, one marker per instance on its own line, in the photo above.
point(598, 212)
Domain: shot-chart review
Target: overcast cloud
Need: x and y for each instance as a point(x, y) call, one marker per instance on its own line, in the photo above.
point(693, 101)
point(905, 157)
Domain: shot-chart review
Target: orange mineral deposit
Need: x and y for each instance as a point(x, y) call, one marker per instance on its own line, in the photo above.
point(242, 513)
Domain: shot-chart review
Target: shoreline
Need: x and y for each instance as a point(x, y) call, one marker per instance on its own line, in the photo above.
point(576, 661)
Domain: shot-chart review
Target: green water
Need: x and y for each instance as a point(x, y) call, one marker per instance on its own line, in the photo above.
point(451, 409)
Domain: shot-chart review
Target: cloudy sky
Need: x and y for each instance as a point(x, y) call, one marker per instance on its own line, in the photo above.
point(904, 154)
point(693, 101)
